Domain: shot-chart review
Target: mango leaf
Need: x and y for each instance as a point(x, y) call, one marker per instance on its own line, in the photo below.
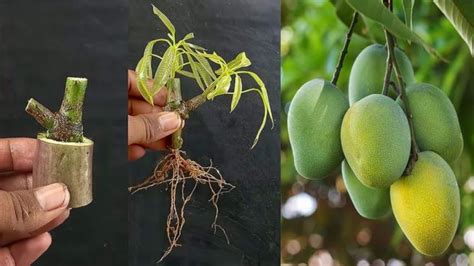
point(222, 87)
point(188, 37)
point(186, 73)
point(195, 72)
point(164, 19)
point(375, 10)
point(142, 79)
point(164, 71)
point(264, 94)
point(237, 92)
point(461, 14)
point(241, 60)
point(344, 13)
point(408, 9)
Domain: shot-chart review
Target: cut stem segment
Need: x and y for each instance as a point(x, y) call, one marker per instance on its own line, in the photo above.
point(175, 103)
point(65, 125)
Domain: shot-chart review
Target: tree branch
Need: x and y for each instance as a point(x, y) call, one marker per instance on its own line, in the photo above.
point(343, 53)
point(42, 114)
point(404, 98)
point(65, 125)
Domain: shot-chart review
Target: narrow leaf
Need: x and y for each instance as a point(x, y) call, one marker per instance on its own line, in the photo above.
point(264, 94)
point(375, 10)
point(222, 87)
point(142, 79)
point(164, 19)
point(237, 92)
point(408, 9)
point(461, 14)
point(164, 70)
point(186, 73)
point(195, 72)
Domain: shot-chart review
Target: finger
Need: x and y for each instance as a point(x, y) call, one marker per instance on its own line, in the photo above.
point(159, 99)
point(158, 145)
point(17, 154)
point(136, 107)
point(27, 251)
point(16, 181)
point(54, 223)
point(24, 212)
point(147, 128)
point(135, 152)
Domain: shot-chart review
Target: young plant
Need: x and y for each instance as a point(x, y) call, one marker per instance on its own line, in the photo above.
point(214, 76)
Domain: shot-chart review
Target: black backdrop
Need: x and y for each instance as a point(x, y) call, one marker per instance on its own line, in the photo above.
point(250, 213)
point(41, 43)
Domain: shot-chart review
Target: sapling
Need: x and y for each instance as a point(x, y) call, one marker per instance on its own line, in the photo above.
point(214, 76)
point(64, 154)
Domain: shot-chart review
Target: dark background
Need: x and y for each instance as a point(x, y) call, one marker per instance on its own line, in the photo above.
point(41, 43)
point(250, 213)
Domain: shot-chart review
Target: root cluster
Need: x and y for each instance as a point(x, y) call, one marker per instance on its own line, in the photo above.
point(176, 172)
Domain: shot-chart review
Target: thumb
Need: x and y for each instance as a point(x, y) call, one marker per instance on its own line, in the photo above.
point(25, 212)
point(146, 128)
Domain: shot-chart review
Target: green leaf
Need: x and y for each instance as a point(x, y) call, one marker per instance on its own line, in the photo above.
point(266, 101)
point(375, 10)
point(186, 73)
point(239, 61)
point(142, 79)
point(164, 19)
point(461, 14)
point(237, 93)
point(188, 37)
point(222, 87)
point(408, 9)
point(195, 72)
point(344, 12)
point(165, 70)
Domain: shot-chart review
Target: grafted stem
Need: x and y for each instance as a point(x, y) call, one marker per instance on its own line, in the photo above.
point(343, 53)
point(175, 103)
point(66, 124)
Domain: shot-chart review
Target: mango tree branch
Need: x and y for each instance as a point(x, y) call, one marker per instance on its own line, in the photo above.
point(42, 114)
point(404, 98)
point(65, 125)
point(343, 53)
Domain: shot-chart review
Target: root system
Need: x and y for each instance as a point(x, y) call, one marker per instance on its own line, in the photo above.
point(178, 172)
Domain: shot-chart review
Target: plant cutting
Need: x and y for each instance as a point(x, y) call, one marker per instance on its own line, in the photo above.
point(214, 76)
point(64, 154)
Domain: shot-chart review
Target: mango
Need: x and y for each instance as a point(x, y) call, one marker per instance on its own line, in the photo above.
point(368, 71)
point(426, 204)
point(435, 121)
point(375, 140)
point(371, 203)
point(314, 124)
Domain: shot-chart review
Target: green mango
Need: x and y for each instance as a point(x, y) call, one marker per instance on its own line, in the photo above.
point(371, 203)
point(368, 72)
point(376, 139)
point(426, 204)
point(314, 124)
point(435, 121)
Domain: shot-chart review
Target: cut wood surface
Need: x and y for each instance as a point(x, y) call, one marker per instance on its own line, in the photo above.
point(66, 162)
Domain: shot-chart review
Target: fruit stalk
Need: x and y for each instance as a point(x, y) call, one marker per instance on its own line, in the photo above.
point(404, 98)
point(343, 53)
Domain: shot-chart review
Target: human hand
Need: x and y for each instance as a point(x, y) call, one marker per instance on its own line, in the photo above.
point(148, 126)
point(26, 213)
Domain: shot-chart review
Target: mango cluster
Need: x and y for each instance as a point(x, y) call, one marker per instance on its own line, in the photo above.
point(368, 135)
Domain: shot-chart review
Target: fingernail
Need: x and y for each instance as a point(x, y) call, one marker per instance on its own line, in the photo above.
point(52, 196)
point(169, 121)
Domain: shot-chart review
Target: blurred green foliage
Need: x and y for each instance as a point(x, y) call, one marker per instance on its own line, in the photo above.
point(311, 38)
